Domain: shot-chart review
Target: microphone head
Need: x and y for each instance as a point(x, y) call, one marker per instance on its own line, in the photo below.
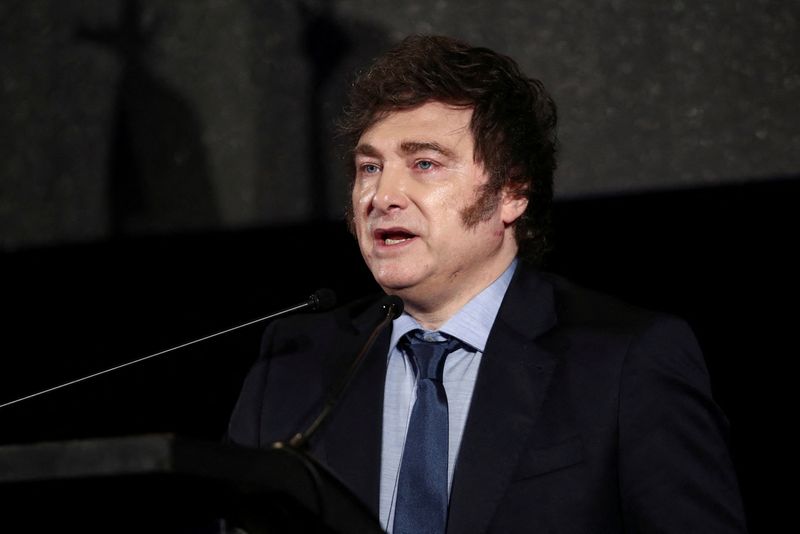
point(322, 300)
point(392, 304)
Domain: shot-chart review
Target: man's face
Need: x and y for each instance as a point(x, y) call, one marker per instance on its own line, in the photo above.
point(415, 175)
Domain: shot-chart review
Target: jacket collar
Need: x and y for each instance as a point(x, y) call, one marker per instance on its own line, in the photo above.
point(351, 445)
point(514, 375)
point(513, 379)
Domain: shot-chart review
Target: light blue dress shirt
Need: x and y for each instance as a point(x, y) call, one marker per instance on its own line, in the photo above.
point(471, 324)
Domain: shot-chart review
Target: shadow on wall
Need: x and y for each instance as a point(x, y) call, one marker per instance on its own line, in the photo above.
point(332, 49)
point(325, 44)
point(336, 49)
point(158, 169)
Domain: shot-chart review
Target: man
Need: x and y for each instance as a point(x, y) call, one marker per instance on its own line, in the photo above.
point(563, 410)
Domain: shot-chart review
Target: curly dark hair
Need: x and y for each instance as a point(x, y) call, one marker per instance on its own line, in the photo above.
point(513, 122)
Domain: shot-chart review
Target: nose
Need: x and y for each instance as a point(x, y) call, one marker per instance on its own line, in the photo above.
point(390, 191)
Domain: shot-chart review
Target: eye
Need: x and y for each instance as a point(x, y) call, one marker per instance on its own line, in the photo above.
point(425, 165)
point(369, 168)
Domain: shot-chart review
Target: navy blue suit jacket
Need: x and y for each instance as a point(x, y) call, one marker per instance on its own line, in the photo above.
point(588, 416)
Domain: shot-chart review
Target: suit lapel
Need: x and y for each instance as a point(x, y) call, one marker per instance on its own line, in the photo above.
point(512, 380)
point(352, 443)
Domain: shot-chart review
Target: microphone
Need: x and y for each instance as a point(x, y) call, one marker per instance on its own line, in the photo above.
point(320, 300)
point(392, 307)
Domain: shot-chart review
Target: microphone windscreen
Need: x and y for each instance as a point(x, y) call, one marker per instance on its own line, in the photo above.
point(322, 300)
point(396, 304)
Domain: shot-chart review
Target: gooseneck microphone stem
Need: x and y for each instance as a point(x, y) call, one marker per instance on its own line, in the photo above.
point(317, 301)
point(393, 308)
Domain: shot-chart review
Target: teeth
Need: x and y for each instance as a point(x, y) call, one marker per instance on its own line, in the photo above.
point(390, 241)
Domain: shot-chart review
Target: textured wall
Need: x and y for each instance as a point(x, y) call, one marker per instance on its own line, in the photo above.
point(130, 118)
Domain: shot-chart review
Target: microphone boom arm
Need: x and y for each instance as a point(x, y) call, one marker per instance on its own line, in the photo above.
point(393, 308)
point(319, 300)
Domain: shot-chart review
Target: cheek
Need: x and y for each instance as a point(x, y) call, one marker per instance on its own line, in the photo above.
point(359, 222)
point(442, 198)
point(361, 199)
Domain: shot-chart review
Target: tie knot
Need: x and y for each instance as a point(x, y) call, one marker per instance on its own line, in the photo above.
point(429, 354)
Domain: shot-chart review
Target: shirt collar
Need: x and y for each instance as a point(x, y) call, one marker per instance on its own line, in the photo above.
point(472, 323)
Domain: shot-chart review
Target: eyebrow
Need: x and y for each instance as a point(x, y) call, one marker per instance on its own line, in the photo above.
point(407, 147)
point(412, 147)
point(368, 150)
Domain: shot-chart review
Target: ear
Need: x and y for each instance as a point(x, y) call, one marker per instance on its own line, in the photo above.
point(512, 205)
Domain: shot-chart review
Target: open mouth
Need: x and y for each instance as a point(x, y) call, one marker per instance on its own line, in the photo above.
point(393, 236)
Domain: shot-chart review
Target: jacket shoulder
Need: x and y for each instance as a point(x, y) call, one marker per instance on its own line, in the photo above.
point(578, 305)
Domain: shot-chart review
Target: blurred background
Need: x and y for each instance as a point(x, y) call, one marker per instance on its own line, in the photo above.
point(168, 170)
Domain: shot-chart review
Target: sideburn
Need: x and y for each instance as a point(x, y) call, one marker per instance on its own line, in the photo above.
point(482, 209)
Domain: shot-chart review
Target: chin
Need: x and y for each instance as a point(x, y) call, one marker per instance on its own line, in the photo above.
point(395, 282)
point(394, 285)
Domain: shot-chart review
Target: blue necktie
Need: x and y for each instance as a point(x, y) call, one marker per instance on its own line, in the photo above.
point(421, 505)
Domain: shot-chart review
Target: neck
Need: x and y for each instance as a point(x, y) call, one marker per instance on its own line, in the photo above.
point(434, 308)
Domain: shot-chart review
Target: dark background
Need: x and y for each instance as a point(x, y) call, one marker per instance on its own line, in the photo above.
point(719, 257)
point(167, 172)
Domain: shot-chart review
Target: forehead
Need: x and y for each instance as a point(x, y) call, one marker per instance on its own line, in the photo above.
point(431, 122)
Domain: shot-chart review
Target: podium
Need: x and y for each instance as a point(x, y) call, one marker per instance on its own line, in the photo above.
point(162, 483)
